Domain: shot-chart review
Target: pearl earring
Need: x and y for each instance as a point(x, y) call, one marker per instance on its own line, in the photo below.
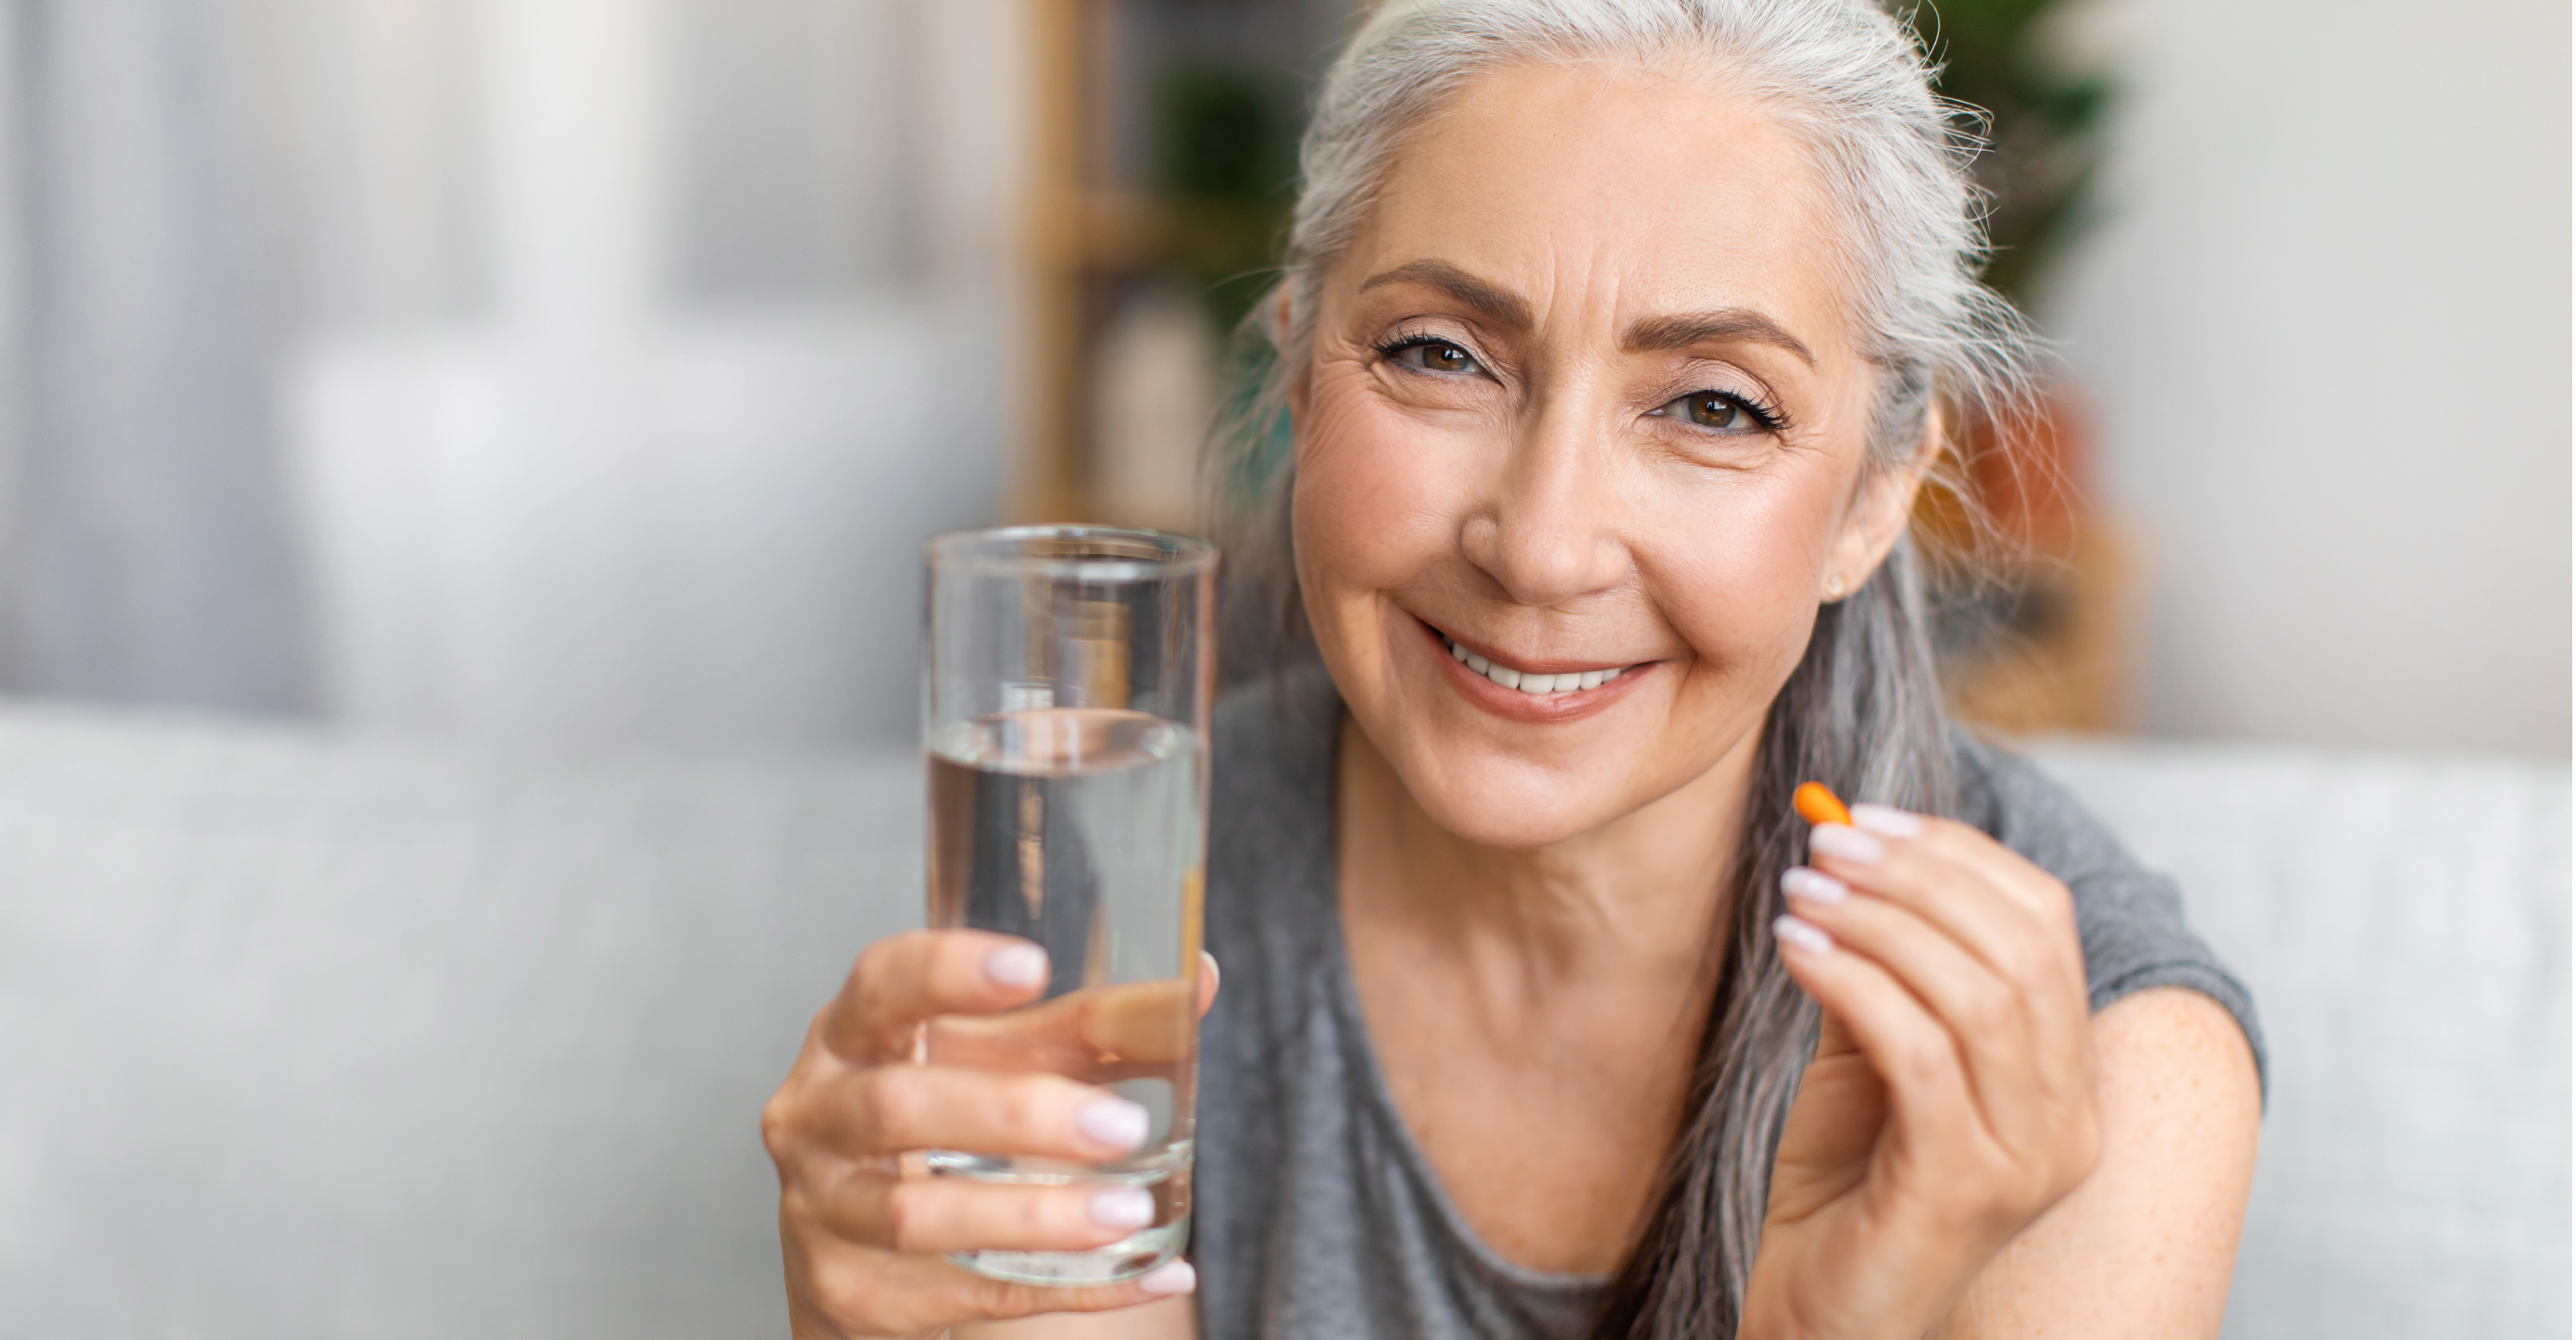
point(1834, 587)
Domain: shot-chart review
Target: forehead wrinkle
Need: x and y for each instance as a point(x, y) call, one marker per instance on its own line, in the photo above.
point(1588, 268)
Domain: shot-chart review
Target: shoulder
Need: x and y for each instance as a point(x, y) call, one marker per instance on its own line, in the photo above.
point(1270, 885)
point(1271, 779)
point(1273, 737)
point(2025, 809)
point(1271, 922)
point(2130, 918)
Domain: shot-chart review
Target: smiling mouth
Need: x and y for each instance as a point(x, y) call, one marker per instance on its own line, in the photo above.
point(1534, 684)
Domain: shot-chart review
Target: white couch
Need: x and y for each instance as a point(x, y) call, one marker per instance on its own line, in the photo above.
point(304, 1036)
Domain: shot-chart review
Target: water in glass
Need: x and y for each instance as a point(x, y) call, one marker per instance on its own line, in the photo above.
point(1079, 828)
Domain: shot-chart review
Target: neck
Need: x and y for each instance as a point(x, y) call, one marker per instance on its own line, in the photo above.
point(1639, 900)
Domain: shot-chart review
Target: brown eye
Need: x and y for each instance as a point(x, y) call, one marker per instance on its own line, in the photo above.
point(1715, 411)
point(1710, 411)
point(1436, 356)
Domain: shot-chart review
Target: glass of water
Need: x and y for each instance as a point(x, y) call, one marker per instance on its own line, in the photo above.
point(1066, 679)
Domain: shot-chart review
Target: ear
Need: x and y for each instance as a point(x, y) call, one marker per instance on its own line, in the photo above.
point(1283, 312)
point(1879, 514)
point(1282, 308)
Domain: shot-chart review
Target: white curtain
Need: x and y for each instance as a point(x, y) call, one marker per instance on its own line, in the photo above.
point(150, 547)
point(592, 366)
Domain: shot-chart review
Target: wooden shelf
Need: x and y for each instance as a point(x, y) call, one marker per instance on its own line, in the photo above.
point(1045, 477)
point(1098, 237)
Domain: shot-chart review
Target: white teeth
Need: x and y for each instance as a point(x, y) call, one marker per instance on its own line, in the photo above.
point(1573, 682)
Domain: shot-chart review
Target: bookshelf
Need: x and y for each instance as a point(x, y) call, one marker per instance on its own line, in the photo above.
point(1161, 158)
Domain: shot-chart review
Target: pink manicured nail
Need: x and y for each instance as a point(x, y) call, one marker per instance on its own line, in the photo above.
point(1799, 935)
point(1115, 1122)
point(1813, 885)
point(1017, 965)
point(1886, 820)
point(1170, 1277)
point(1844, 844)
point(1126, 1207)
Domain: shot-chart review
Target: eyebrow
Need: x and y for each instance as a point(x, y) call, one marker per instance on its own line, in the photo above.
point(1733, 325)
point(1494, 302)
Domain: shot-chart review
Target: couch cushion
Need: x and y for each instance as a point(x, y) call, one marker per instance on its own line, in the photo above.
point(2403, 924)
point(307, 1036)
point(317, 1038)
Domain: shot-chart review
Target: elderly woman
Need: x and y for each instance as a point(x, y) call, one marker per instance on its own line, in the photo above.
point(1617, 337)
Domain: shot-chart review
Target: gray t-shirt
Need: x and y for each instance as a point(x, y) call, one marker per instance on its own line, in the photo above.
point(1317, 1216)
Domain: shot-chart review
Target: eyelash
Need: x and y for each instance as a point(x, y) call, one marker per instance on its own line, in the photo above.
point(1770, 416)
point(1390, 348)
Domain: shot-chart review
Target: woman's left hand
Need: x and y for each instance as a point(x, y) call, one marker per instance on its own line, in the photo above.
point(1951, 1099)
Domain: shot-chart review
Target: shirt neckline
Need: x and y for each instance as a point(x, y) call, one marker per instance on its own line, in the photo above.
point(1342, 991)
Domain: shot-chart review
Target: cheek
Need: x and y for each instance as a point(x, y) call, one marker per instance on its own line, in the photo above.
point(1373, 505)
point(1733, 565)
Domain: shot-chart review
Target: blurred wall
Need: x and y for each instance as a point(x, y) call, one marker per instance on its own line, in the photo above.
point(731, 277)
point(2328, 322)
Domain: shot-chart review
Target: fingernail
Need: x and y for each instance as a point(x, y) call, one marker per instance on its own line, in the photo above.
point(1170, 1277)
point(1886, 820)
point(1126, 1207)
point(1844, 844)
point(1799, 935)
point(1017, 965)
point(1813, 885)
point(1115, 1122)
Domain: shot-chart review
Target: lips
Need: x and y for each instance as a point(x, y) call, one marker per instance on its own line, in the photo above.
point(1531, 682)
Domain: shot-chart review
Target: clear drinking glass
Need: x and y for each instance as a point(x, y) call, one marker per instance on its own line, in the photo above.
point(1066, 679)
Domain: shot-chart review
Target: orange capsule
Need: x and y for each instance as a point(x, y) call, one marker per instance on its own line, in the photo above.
point(1819, 805)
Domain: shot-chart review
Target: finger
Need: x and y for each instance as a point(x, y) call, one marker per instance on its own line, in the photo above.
point(2036, 958)
point(1965, 899)
point(1207, 982)
point(1128, 1030)
point(956, 1214)
point(904, 979)
point(891, 1109)
point(1833, 1037)
point(1971, 848)
point(1965, 882)
point(1990, 1019)
point(863, 1290)
point(1916, 1057)
point(1000, 1300)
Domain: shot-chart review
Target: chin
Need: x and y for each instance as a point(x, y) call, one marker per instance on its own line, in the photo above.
point(1513, 804)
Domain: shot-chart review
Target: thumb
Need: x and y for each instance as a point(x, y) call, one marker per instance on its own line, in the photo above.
point(1207, 981)
point(1833, 1039)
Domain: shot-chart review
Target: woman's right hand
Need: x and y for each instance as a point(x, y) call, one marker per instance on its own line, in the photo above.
point(866, 1230)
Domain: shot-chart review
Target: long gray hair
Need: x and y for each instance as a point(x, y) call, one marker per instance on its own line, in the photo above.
point(1862, 710)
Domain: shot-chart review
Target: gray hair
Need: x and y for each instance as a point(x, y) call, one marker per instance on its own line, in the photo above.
point(1862, 710)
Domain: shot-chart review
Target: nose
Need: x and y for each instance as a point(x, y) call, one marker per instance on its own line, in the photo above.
point(1548, 531)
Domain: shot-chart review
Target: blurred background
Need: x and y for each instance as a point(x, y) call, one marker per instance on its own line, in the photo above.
point(583, 372)
point(461, 465)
